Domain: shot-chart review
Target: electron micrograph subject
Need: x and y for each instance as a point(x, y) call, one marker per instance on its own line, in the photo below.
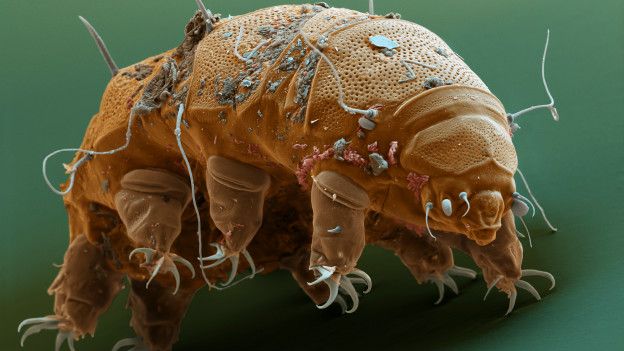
point(287, 138)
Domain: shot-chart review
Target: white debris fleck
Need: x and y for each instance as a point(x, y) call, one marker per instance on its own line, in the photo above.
point(381, 41)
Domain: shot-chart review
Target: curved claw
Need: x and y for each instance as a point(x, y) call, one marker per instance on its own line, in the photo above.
point(493, 284)
point(37, 320)
point(60, 339)
point(324, 271)
point(136, 343)
point(163, 265)
point(36, 329)
point(366, 279)
point(440, 286)
point(462, 272)
point(159, 264)
point(185, 263)
point(346, 284)
point(214, 264)
point(250, 260)
point(342, 303)
point(333, 293)
point(450, 282)
point(528, 287)
point(217, 255)
point(512, 301)
point(536, 273)
point(447, 280)
point(45, 323)
point(234, 260)
point(149, 253)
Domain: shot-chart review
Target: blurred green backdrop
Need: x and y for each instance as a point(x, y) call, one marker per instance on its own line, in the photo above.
point(51, 79)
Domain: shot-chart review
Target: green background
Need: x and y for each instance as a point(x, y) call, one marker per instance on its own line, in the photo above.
point(51, 78)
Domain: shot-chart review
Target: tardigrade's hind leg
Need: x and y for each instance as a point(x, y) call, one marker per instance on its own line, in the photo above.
point(83, 289)
point(338, 236)
point(501, 260)
point(428, 260)
point(237, 192)
point(156, 316)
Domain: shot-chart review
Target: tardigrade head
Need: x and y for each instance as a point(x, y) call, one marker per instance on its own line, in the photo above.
point(467, 159)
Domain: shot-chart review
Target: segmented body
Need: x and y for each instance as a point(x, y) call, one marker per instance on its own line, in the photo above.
point(278, 109)
point(297, 91)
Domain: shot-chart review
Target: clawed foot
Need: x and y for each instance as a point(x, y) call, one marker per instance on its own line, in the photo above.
point(166, 263)
point(135, 343)
point(46, 323)
point(342, 283)
point(513, 293)
point(446, 279)
point(220, 256)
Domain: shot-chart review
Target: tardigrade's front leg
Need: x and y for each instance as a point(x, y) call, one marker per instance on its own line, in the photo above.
point(150, 204)
point(83, 289)
point(501, 260)
point(237, 192)
point(339, 209)
point(427, 259)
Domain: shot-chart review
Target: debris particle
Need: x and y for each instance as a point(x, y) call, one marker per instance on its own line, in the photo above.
point(260, 114)
point(339, 147)
point(246, 83)
point(314, 121)
point(394, 145)
point(322, 42)
point(381, 41)
point(388, 52)
point(141, 71)
point(393, 15)
point(299, 146)
point(373, 147)
point(227, 34)
point(336, 230)
point(274, 85)
point(266, 31)
point(434, 82)
point(222, 117)
point(289, 64)
point(441, 51)
point(377, 163)
point(366, 123)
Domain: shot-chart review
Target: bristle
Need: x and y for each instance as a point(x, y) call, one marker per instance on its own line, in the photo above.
point(101, 46)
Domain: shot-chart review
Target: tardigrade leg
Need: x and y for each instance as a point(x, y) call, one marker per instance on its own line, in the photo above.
point(150, 204)
point(156, 316)
point(428, 260)
point(501, 261)
point(237, 192)
point(83, 289)
point(338, 237)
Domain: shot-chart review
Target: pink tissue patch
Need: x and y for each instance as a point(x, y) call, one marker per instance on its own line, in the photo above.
point(394, 146)
point(353, 157)
point(299, 146)
point(373, 147)
point(308, 162)
point(415, 182)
